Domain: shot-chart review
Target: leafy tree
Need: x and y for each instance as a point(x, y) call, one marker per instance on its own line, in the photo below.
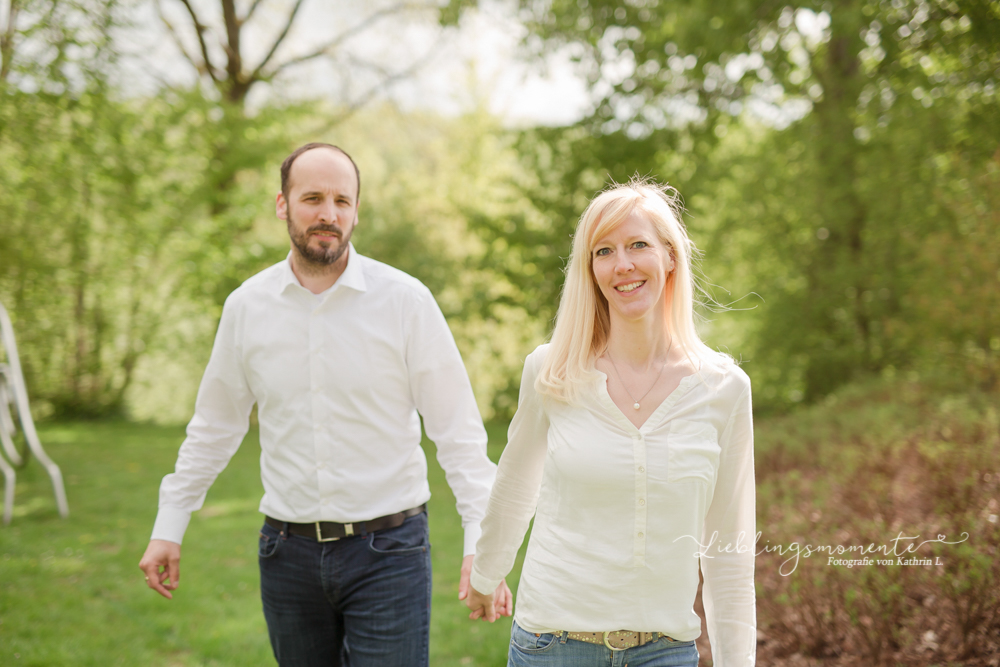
point(812, 141)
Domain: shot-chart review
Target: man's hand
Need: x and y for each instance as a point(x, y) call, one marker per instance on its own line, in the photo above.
point(166, 555)
point(488, 607)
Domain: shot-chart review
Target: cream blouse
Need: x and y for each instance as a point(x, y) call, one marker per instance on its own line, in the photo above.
point(624, 515)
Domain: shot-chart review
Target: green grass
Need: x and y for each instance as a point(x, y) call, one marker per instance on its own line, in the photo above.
point(71, 592)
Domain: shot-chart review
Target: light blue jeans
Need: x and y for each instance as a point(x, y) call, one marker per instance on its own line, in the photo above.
point(547, 650)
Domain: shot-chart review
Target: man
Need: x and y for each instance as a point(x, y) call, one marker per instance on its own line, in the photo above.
point(339, 352)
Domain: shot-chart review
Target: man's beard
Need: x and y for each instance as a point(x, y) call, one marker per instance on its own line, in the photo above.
point(321, 256)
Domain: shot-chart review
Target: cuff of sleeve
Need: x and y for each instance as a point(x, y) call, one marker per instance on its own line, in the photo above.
point(472, 534)
point(170, 525)
point(481, 583)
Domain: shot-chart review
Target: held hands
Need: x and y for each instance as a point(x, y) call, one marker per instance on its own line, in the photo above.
point(487, 607)
point(165, 555)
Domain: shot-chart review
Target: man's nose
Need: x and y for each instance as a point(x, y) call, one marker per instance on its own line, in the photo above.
point(326, 211)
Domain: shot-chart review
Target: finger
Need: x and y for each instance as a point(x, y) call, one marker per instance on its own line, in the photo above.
point(153, 581)
point(508, 596)
point(500, 605)
point(174, 573)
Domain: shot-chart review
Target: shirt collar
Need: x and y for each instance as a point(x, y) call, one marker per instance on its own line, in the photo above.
point(352, 277)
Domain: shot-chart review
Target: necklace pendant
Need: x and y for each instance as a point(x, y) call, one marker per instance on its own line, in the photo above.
point(636, 406)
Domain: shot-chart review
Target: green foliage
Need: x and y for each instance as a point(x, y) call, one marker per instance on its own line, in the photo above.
point(839, 162)
point(842, 180)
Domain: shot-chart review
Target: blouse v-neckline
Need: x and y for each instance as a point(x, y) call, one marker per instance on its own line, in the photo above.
point(604, 397)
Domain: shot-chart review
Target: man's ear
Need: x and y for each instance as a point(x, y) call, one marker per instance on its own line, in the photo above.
point(281, 207)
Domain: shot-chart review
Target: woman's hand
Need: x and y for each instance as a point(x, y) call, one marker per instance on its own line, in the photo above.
point(487, 607)
point(482, 606)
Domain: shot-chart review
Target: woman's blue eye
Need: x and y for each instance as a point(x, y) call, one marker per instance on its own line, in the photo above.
point(641, 244)
point(602, 251)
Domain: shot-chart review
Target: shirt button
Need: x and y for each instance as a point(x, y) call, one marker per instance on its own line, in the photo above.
point(641, 469)
point(642, 535)
point(642, 501)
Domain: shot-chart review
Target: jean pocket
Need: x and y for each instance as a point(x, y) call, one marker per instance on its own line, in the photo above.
point(529, 642)
point(410, 538)
point(270, 540)
point(693, 451)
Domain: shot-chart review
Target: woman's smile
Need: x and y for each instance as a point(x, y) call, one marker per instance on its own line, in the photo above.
point(631, 287)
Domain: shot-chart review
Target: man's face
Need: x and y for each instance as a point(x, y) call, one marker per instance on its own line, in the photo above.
point(321, 207)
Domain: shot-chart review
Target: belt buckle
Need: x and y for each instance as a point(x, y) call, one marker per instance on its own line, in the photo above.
point(348, 531)
point(611, 632)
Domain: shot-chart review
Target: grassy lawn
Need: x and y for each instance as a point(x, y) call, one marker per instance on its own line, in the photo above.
point(71, 592)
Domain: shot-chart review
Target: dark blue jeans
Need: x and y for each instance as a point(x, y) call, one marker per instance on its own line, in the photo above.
point(360, 601)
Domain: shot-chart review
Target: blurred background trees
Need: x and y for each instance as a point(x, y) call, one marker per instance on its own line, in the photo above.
point(839, 163)
point(840, 158)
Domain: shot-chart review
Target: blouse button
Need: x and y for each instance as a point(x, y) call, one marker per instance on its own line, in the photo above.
point(642, 469)
point(642, 501)
point(641, 535)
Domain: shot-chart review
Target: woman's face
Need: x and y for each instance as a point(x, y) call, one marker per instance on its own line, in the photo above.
point(630, 266)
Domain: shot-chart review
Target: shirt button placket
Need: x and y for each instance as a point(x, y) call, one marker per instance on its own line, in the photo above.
point(639, 456)
point(316, 397)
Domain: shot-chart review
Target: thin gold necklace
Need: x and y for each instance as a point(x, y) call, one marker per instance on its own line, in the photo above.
point(635, 403)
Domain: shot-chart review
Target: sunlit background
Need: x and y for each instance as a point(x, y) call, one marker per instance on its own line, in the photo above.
point(840, 167)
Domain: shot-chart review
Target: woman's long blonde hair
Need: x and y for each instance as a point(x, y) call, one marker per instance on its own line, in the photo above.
point(583, 322)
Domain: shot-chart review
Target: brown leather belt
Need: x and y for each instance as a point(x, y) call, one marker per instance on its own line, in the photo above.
point(329, 531)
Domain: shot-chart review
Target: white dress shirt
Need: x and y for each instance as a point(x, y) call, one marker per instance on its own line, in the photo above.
point(620, 512)
point(338, 381)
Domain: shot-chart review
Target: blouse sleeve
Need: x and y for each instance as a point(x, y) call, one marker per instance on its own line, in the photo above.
point(728, 564)
point(515, 491)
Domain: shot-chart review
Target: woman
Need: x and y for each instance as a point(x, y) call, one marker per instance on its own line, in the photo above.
point(633, 448)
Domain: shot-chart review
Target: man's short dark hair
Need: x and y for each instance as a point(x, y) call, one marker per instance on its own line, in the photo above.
point(286, 166)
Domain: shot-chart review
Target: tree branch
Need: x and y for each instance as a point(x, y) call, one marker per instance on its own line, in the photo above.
point(256, 75)
point(175, 36)
point(7, 40)
point(342, 37)
point(372, 92)
point(250, 12)
point(200, 28)
point(234, 59)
